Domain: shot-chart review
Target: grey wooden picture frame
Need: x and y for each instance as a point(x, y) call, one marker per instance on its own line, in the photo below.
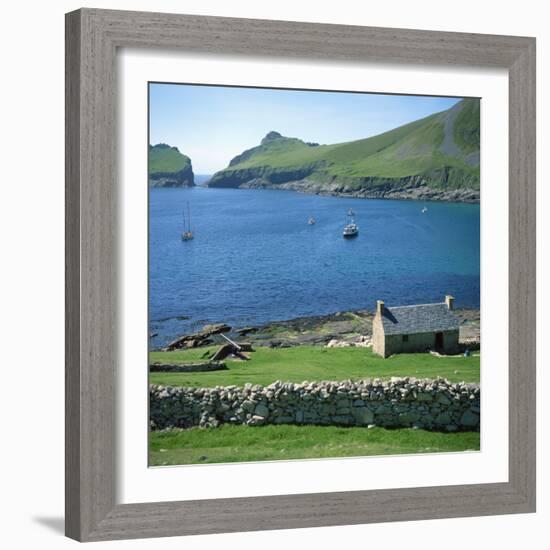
point(92, 39)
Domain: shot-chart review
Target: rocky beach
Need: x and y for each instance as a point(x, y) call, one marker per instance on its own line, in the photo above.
point(339, 329)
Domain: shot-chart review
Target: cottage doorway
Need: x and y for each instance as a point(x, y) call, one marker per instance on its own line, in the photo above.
point(438, 340)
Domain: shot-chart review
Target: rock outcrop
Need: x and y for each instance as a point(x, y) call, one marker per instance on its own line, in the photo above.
point(197, 339)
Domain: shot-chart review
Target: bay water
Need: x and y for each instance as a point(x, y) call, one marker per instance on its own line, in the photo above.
point(255, 259)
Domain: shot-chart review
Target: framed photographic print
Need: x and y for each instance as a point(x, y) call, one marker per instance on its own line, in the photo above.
point(296, 254)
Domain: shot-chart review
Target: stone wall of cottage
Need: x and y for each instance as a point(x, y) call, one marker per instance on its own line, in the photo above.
point(394, 343)
point(378, 337)
point(399, 402)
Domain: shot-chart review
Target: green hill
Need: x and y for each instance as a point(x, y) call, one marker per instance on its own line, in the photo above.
point(436, 158)
point(169, 168)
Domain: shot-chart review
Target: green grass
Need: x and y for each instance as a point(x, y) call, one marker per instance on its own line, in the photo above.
point(301, 363)
point(166, 159)
point(466, 128)
point(400, 152)
point(404, 151)
point(291, 152)
point(229, 443)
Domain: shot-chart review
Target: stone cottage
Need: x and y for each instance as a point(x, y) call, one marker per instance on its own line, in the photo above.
point(407, 329)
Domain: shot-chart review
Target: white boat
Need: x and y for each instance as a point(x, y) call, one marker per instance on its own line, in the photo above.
point(424, 210)
point(187, 234)
point(350, 230)
point(351, 212)
point(311, 221)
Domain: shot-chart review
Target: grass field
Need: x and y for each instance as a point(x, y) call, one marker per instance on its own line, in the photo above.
point(230, 443)
point(300, 363)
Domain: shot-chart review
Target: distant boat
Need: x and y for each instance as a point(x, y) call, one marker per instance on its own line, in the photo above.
point(424, 210)
point(311, 221)
point(187, 234)
point(350, 230)
point(351, 212)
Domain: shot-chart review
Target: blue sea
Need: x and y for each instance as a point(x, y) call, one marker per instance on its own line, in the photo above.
point(255, 259)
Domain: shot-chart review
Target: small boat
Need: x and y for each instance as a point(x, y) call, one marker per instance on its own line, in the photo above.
point(187, 234)
point(351, 212)
point(350, 230)
point(424, 210)
point(311, 221)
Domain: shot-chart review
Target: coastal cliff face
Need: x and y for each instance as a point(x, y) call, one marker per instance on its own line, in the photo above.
point(435, 158)
point(169, 168)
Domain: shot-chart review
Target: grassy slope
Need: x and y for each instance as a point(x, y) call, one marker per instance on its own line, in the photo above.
point(301, 363)
point(467, 127)
point(165, 159)
point(243, 443)
point(404, 151)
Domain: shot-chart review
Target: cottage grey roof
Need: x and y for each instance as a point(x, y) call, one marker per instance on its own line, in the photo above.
point(418, 319)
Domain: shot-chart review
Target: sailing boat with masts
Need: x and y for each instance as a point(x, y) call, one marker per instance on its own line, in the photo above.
point(187, 234)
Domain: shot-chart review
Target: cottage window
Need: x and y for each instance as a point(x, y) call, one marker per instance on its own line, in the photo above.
point(405, 337)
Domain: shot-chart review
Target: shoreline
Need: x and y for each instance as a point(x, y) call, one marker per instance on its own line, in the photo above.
point(341, 328)
point(420, 194)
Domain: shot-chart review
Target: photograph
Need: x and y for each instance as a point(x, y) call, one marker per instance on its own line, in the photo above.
point(275, 256)
point(313, 274)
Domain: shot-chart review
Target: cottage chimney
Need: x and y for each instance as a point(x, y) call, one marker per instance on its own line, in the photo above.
point(450, 301)
point(379, 307)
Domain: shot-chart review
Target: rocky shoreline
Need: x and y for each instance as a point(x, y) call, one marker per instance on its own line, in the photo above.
point(413, 188)
point(339, 329)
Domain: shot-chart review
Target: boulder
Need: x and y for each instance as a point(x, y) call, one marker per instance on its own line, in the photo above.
point(217, 328)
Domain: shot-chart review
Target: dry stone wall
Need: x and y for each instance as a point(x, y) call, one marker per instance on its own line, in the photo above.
point(399, 402)
point(205, 366)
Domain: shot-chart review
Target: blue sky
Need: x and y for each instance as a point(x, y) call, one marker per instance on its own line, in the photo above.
point(213, 124)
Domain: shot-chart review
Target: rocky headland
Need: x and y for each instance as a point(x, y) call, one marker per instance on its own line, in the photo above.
point(169, 168)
